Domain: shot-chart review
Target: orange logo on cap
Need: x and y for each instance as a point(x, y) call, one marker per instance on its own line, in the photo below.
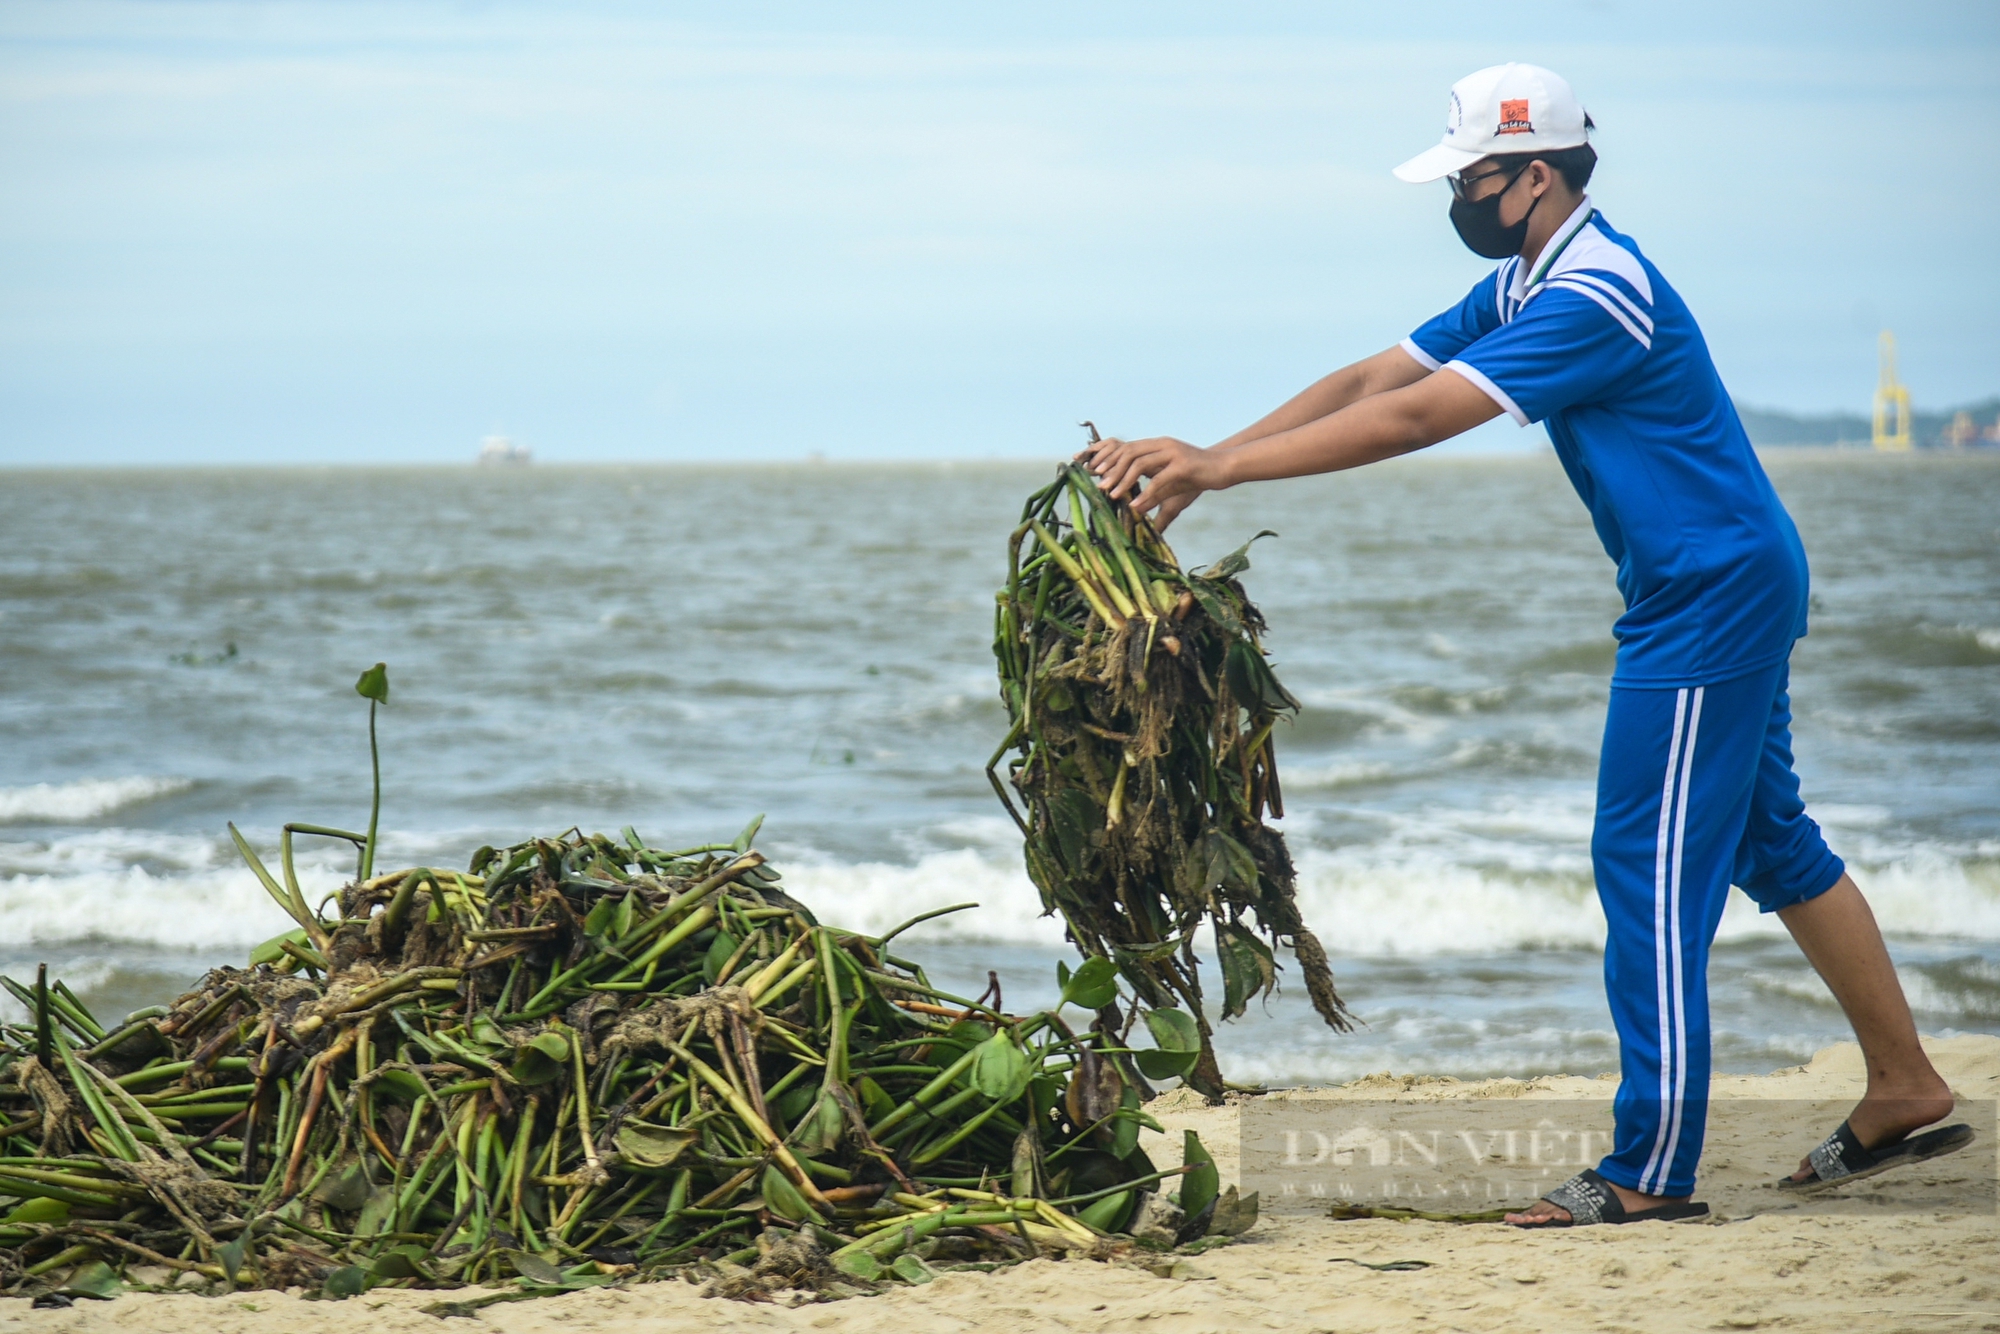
point(1514, 117)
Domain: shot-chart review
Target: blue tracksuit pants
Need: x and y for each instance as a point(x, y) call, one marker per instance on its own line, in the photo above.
point(1695, 792)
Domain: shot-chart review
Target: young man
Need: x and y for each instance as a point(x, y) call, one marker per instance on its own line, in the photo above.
point(1695, 785)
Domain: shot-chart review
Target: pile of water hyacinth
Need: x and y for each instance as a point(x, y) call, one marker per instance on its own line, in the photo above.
point(580, 1060)
point(1143, 717)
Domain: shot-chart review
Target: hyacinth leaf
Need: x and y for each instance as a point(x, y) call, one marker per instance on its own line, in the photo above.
point(374, 684)
point(782, 1198)
point(42, 1210)
point(601, 916)
point(911, 1269)
point(346, 1191)
point(487, 1033)
point(1000, 1071)
point(401, 1085)
point(719, 950)
point(535, 1269)
point(652, 1147)
point(405, 1261)
point(1153, 953)
point(95, 1280)
point(819, 1129)
point(1092, 986)
point(1125, 1125)
point(541, 1058)
point(1234, 1214)
point(1200, 1182)
point(273, 950)
point(1107, 1214)
point(1252, 681)
point(377, 1213)
point(1230, 865)
point(1179, 1043)
point(1236, 562)
point(1248, 968)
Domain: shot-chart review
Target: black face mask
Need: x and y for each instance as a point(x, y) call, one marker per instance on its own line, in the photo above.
point(1479, 226)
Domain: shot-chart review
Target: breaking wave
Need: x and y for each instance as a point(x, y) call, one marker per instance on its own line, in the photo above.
point(81, 802)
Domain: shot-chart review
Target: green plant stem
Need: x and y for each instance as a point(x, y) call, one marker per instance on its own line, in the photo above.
point(375, 806)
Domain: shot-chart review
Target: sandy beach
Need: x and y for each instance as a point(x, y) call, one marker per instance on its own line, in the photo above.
point(1902, 1252)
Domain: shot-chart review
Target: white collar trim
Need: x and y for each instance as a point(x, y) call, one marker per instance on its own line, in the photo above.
point(1518, 288)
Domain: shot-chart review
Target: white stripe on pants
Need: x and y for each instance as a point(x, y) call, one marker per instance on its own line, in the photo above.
point(1667, 937)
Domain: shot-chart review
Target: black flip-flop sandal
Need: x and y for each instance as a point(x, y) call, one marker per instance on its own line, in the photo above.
point(1840, 1158)
point(1590, 1199)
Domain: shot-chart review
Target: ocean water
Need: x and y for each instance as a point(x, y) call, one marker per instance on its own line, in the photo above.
point(680, 649)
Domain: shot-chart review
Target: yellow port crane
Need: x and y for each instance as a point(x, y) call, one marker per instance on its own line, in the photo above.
point(1892, 404)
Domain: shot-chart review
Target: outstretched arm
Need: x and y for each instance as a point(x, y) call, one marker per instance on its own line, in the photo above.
point(1382, 425)
point(1391, 369)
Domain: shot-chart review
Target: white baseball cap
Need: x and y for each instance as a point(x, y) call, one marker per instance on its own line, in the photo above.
point(1507, 108)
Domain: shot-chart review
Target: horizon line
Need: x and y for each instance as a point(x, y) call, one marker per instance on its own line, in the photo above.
point(1531, 450)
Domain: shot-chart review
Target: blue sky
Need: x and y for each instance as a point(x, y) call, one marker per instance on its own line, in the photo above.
point(272, 233)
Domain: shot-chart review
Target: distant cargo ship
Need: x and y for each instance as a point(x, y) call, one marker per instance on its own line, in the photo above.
point(499, 449)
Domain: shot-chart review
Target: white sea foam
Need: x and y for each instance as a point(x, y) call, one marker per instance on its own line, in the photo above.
point(1515, 873)
point(1508, 875)
point(1929, 892)
point(1930, 995)
point(80, 974)
point(166, 890)
point(1848, 818)
point(198, 910)
point(1390, 717)
point(1326, 778)
point(1968, 997)
point(81, 802)
point(1512, 875)
point(1431, 1044)
point(1986, 637)
point(1420, 903)
point(876, 896)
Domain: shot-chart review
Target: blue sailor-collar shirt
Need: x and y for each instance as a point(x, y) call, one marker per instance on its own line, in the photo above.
point(1591, 341)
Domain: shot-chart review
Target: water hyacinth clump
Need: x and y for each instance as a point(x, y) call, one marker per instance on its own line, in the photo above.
point(1143, 714)
point(581, 1060)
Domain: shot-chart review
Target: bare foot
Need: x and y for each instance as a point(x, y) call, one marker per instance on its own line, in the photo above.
point(1542, 1213)
point(1539, 1214)
point(1887, 1115)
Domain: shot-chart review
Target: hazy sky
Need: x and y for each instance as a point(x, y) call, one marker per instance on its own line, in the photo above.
point(322, 232)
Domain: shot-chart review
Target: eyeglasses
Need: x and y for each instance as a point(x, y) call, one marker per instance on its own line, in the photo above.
point(1461, 184)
